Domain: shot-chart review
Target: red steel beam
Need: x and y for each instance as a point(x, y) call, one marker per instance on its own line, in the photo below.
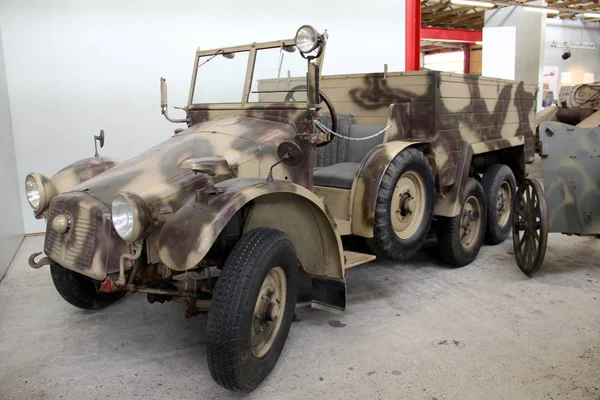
point(467, 65)
point(448, 35)
point(413, 35)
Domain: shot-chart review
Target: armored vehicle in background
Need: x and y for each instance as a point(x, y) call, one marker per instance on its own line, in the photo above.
point(228, 215)
point(568, 201)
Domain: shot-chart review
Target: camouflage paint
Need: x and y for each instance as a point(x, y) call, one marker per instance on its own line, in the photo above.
point(458, 115)
point(91, 246)
point(189, 234)
point(450, 117)
point(366, 184)
point(570, 170)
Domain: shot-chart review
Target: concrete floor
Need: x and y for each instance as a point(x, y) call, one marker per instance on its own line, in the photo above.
point(413, 331)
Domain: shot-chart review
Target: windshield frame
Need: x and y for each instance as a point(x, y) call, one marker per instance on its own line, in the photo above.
point(244, 103)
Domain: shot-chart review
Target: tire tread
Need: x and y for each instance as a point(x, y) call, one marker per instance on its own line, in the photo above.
point(80, 292)
point(229, 300)
point(494, 234)
point(385, 242)
point(448, 231)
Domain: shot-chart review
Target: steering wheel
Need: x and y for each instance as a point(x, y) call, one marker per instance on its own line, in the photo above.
point(289, 97)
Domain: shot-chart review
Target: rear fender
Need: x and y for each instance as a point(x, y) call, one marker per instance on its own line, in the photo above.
point(508, 151)
point(188, 235)
point(367, 180)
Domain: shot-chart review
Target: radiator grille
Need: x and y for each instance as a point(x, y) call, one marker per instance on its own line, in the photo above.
point(75, 249)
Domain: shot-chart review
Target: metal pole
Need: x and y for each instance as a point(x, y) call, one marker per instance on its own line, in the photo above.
point(413, 35)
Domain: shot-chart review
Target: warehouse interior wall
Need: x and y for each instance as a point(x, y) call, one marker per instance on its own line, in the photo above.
point(74, 68)
point(528, 52)
point(11, 228)
point(581, 61)
point(527, 57)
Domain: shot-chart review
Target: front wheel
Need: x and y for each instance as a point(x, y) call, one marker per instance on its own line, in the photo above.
point(80, 291)
point(252, 309)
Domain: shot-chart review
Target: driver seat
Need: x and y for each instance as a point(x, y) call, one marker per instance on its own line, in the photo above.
point(338, 161)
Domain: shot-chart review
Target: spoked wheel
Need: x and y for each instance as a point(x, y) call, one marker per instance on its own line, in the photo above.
point(530, 226)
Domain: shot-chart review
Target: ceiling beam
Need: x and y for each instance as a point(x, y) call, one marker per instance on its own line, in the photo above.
point(453, 12)
point(435, 6)
point(566, 4)
point(451, 35)
point(589, 6)
point(467, 17)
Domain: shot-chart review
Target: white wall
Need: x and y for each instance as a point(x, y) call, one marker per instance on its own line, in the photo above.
point(11, 227)
point(76, 67)
point(499, 52)
point(529, 44)
point(530, 28)
point(581, 61)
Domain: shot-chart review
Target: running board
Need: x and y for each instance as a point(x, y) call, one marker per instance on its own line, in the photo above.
point(352, 259)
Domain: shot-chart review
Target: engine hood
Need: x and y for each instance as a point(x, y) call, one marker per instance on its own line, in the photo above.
point(157, 176)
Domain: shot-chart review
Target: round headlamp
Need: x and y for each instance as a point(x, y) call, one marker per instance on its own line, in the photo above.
point(307, 39)
point(130, 216)
point(39, 191)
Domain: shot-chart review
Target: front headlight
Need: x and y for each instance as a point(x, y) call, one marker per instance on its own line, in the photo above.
point(307, 39)
point(39, 191)
point(130, 216)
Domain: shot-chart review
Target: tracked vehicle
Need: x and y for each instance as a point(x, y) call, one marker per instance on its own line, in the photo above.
point(243, 211)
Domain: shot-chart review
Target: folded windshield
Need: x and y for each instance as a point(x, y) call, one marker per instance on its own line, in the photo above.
point(279, 76)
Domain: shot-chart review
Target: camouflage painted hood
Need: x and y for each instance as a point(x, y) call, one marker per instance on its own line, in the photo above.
point(157, 174)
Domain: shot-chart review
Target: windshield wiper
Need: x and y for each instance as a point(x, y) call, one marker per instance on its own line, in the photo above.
point(216, 54)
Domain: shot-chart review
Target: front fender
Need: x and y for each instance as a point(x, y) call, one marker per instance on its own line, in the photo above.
point(366, 184)
point(188, 235)
point(80, 171)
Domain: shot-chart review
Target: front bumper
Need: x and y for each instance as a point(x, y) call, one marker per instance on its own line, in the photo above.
point(90, 246)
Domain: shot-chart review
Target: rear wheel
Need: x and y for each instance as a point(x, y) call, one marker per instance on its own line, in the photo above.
point(499, 186)
point(81, 291)
point(252, 309)
point(404, 206)
point(460, 237)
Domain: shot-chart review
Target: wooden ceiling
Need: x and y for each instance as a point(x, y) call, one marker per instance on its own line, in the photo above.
point(444, 14)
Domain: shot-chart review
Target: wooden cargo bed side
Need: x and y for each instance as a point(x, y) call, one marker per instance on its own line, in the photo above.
point(485, 109)
point(368, 96)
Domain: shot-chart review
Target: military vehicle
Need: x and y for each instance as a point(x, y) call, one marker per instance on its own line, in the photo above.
point(569, 147)
point(254, 196)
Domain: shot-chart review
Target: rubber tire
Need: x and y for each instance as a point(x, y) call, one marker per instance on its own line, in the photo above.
point(493, 177)
point(230, 359)
point(80, 291)
point(385, 242)
point(448, 231)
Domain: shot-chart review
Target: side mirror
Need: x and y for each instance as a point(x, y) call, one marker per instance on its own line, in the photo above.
point(163, 102)
point(99, 140)
point(163, 92)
